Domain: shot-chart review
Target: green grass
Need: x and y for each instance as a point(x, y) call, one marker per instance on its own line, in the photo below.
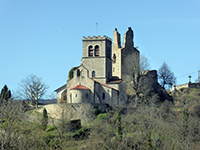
point(38, 113)
point(34, 112)
point(177, 108)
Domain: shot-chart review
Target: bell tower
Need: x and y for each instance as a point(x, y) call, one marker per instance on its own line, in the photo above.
point(97, 57)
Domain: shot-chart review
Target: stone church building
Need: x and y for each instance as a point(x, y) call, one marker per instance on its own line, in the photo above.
point(99, 78)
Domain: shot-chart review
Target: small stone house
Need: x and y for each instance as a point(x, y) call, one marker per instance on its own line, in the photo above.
point(60, 93)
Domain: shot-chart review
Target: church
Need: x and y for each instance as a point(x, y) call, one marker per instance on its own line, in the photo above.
point(99, 78)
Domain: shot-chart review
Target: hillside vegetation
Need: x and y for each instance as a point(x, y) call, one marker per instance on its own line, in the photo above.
point(167, 125)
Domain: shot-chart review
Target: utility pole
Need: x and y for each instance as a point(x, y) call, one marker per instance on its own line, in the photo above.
point(198, 76)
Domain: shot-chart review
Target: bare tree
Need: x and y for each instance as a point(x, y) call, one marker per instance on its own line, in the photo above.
point(32, 88)
point(15, 132)
point(165, 75)
point(135, 68)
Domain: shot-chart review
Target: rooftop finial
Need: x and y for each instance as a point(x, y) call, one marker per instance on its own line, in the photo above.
point(97, 27)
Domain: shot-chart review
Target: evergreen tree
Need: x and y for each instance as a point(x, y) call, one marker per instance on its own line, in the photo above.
point(44, 119)
point(119, 127)
point(149, 145)
point(5, 93)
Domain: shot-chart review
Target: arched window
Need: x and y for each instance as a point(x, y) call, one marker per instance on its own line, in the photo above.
point(90, 51)
point(96, 50)
point(103, 96)
point(93, 74)
point(78, 73)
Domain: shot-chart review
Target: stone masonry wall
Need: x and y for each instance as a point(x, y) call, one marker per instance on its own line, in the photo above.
point(96, 64)
point(116, 54)
point(128, 49)
point(102, 64)
point(83, 79)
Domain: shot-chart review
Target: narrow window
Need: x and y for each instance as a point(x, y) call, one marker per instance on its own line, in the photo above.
point(78, 73)
point(86, 96)
point(76, 95)
point(70, 97)
point(93, 74)
point(96, 50)
point(114, 58)
point(90, 51)
point(103, 96)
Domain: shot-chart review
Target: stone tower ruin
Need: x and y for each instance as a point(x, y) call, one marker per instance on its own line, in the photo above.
point(119, 54)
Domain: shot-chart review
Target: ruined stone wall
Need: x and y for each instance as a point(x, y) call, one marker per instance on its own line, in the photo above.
point(194, 85)
point(188, 85)
point(82, 111)
point(119, 55)
point(128, 39)
point(182, 86)
point(116, 54)
point(152, 74)
point(128, 49)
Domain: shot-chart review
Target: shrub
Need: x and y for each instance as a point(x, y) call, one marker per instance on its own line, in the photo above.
point(70, 126)
point(44, 119)
point(81, 134)
point(71, 72)
point(103, 116)
point(96, 111)
point(119, 127)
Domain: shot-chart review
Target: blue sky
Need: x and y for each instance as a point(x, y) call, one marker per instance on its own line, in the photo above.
point(44, 37)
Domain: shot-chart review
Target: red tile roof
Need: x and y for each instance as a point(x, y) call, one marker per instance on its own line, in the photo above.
point(114, 81)
point(79, 87)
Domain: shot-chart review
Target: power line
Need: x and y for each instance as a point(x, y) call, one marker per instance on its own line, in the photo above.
point(186, 74)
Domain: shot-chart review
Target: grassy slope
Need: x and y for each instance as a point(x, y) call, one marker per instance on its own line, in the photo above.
point(184, 98)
